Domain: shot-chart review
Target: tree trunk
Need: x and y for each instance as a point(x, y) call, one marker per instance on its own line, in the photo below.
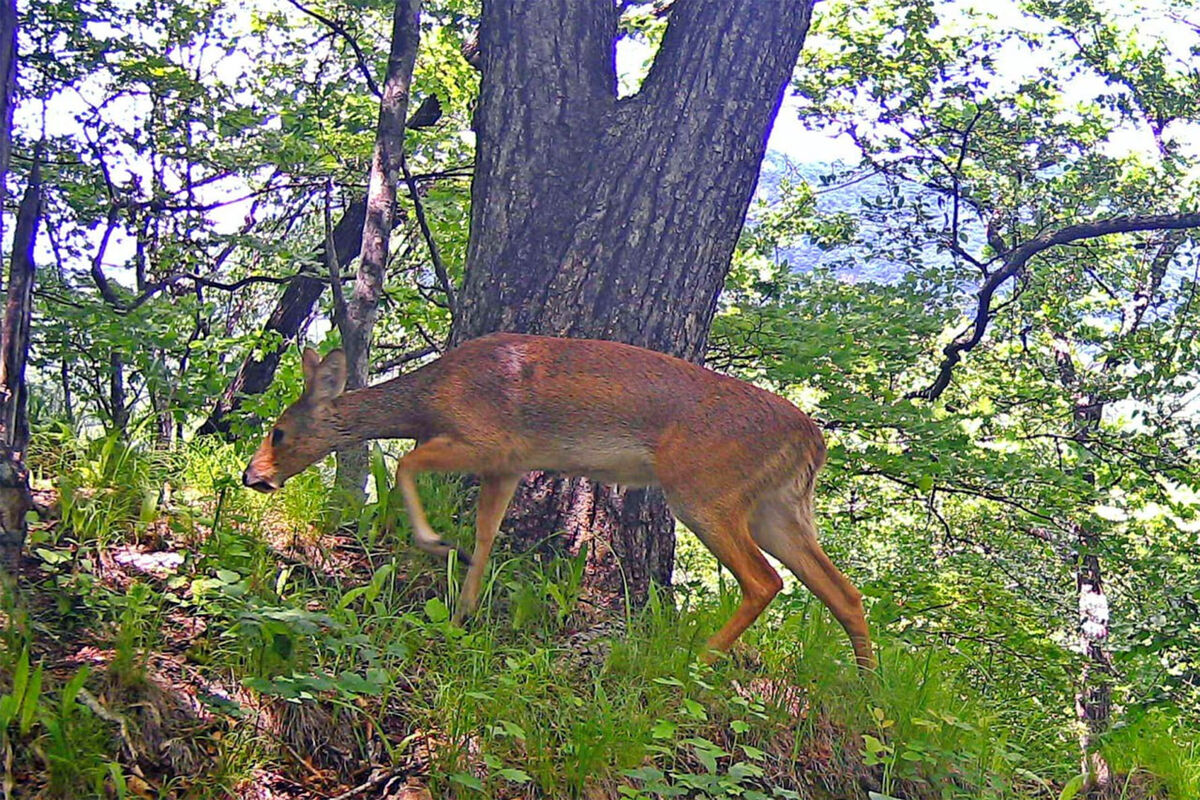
point(8, 85)
point(362, 307)
point(15, 499)
point(116, 391)
point(295, 306)
point(616, 219)
point(164, 419)
point(1093, 699)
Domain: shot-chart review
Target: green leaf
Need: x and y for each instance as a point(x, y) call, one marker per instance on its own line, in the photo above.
point(1072, 787)
point(30, 704)
point(468, 780)
point(873, 745)
point(436, 610)
point(514, 775)
point(663, 729)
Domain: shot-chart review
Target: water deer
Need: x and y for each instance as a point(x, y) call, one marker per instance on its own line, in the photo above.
point(737, 463)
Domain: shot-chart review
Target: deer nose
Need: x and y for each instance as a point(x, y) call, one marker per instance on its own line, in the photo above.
point(251, 480)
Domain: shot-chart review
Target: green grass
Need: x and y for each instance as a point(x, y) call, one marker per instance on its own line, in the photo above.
point(509, 706)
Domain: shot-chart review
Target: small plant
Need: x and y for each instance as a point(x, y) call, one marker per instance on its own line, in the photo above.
point(62, 738)
point(19, 706)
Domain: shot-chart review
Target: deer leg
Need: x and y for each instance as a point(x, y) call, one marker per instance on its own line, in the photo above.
point(440, 454)
point(786, 532)
point(495, 492)
point(727, 536)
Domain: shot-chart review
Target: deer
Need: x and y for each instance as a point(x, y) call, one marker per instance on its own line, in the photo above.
point(736, 463)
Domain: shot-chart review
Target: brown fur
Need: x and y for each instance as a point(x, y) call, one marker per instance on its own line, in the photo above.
point(737, 463)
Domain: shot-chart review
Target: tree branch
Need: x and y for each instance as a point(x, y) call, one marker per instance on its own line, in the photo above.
point(1015, 261)
point(199, 280)
point(403, 358)
point(97, 271)
point(331, 260)
point(435, 255)
point(340, 30)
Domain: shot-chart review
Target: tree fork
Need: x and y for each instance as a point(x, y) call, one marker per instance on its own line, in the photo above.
point(609, 218)
point(294, 307)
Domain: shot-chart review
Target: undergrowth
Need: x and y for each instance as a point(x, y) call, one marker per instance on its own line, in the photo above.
point(179, 636)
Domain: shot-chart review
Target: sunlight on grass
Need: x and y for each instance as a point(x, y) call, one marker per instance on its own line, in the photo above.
point(533, 697)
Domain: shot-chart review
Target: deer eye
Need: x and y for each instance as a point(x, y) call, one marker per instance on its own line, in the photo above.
point(276, 436)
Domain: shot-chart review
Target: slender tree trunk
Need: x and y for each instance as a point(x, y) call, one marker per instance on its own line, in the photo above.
point(64, 372)
point(8, 85)
point(362, 307)
point(18, 308)
point(116, 391)
point(15, 499)
point(164, 428)
point(609, 218)
point(295, 306)
point(1093, 698)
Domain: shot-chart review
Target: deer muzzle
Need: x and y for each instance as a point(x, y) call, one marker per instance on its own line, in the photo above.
point(259, 483)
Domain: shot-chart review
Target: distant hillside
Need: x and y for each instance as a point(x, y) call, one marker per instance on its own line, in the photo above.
point(858, 262)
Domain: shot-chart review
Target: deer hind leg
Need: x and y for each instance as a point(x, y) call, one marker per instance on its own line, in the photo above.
point(782, 525)
point(726, 534)
point(495, 492)
point(440, 454)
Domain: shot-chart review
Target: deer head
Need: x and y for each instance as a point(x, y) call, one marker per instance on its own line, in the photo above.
point(307, 431)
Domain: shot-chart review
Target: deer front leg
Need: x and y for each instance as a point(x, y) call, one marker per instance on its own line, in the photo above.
point(440, 454)
point(495, 492)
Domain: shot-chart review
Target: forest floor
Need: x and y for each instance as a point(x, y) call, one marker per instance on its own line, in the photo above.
point(213, 646)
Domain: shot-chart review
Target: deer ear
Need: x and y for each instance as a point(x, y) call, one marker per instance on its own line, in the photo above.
point(310, 362)
point(327, 379)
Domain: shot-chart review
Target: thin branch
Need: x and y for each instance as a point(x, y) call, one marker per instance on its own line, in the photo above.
point(248, 224)
point(969, 492)
point(955, 176)
point(1144, 296)
point(331, 259)
point(1014, 263)
point(435, 255)
point(97, 271)
point(1108, 290)
point(403, 358)
point(199, 280)
point(340, 30)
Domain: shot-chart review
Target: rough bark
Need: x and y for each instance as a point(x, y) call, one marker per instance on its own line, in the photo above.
point(15, 500)
point(8, 81)
point(616, 219)
point(18, 312)
point(295, 306)
point(116, 391)
point(362, 307)
point(1093, 701)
